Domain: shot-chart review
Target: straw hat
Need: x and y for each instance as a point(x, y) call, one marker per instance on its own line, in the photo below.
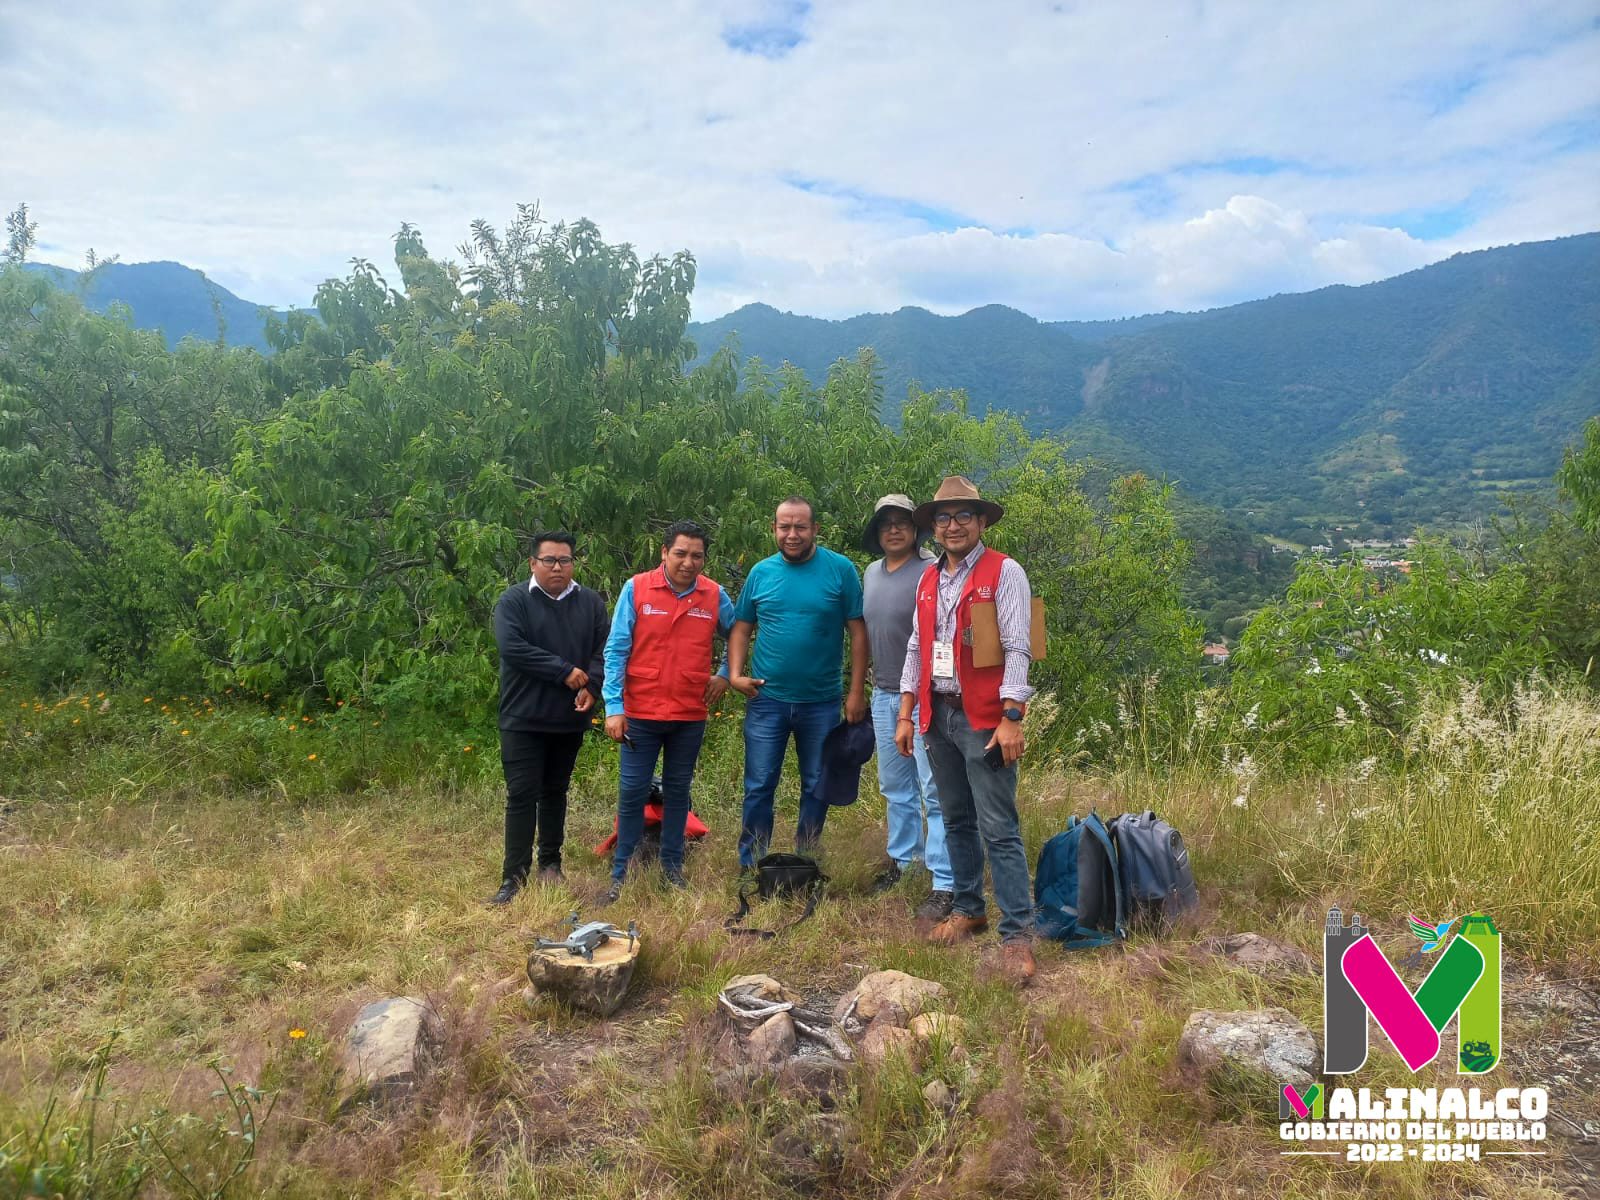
point(954, 488)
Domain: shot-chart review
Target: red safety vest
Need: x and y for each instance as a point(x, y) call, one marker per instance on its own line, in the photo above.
point(980, 686)
point(671, 657)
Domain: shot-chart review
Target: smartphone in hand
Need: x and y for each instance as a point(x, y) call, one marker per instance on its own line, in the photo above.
point(994, 757)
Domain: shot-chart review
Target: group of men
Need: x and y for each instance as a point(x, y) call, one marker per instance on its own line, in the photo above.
point(946, 707)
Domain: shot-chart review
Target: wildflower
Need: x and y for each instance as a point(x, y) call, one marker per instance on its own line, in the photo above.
point(185, 732)
point(375, 724)
point(311, 758)
point(1241, 802)
point(99, 695)
point(466, 749)
point(1365, 767)
point(297, 1034)
point(147, 699)
point(74, 720)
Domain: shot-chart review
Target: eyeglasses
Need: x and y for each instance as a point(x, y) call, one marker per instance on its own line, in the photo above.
point(964, 517)
point(897, 523)
point(551, 561)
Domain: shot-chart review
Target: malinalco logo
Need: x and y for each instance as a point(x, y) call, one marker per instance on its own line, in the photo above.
point(1358, 981)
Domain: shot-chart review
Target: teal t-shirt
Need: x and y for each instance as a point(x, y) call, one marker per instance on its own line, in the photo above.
point(799, 611)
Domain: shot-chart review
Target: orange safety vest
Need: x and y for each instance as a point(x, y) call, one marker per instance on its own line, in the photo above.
point(670, 661)
point(980, 686)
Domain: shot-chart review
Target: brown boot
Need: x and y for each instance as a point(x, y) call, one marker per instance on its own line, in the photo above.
point(956, 927)
point(1016, 960)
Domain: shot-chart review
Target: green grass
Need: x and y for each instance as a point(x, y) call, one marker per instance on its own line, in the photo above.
point(205, 896)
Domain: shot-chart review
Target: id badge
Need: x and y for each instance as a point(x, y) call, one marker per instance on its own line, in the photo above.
point(944, 660)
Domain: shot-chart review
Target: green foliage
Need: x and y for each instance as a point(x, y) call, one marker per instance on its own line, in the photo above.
point(1341, 666)
point(1110, 578)
point(92, 1153)
point(21, 236)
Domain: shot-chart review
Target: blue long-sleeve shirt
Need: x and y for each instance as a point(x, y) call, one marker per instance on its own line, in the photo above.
point(619, 645)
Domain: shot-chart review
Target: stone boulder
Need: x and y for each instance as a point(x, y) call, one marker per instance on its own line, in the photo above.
point(1263, 955)
point(894, 994)
point(884, 1039)
point(943, 1028)
point(1269, 1041)
point(771, 1042)
point(389, 1048)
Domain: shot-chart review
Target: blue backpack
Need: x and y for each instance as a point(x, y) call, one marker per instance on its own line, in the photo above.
point(1078, 893)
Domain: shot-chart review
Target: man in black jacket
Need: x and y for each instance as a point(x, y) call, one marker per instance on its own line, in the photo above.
point(552, 636)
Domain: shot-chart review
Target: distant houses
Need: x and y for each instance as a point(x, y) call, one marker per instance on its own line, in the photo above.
point(1214, 654)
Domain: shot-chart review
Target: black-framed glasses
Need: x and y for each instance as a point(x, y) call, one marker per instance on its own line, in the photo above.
point(963, 517)
point(551, 561)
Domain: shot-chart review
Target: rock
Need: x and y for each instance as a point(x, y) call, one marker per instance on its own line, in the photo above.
point(943, 1028)
point(938, 1096)
point(883, 989)
point(812, 1142)
point(769, 1043)
point(763, 987)
point(819, 1076)
point(388, 1049)
point(596, 985)
point(884, 1039)
point(1268, 1040)
point(1263, 955)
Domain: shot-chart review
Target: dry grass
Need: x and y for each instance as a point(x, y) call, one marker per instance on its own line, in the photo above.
point(206, 922)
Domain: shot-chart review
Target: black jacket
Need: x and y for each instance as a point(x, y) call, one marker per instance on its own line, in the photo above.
point(540, 641)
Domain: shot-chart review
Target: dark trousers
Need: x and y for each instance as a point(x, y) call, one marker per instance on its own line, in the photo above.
point(677, 744)
point(538, 768)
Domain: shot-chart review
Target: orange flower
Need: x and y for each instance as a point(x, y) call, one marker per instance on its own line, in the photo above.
point(297, 1034)
point(311, 758)
point(466, 749)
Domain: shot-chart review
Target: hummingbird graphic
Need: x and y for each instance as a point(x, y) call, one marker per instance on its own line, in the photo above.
point(1431, 935)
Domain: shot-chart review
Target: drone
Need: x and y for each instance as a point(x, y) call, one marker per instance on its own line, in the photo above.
point(584, 939)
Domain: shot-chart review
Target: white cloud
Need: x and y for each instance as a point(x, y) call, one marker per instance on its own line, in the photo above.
point(1068, 159)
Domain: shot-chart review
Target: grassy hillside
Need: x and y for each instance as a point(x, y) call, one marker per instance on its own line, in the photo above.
point(153, 892)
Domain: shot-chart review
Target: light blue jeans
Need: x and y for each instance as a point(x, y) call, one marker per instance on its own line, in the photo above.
point(907, 785)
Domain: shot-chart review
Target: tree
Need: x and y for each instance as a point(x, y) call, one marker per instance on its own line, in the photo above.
point(20, 235)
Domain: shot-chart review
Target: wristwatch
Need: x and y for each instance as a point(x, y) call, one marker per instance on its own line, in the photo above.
point(1012, 713)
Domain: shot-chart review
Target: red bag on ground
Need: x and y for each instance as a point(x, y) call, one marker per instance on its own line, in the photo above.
point(693, 829)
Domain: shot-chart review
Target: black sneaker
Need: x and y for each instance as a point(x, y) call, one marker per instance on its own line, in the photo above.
point(675, 877)
point(508, 889)
point(613, 893)
point(886, 879)
point(936, 907)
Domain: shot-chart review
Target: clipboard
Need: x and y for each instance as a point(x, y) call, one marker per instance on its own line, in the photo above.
point(986, 650)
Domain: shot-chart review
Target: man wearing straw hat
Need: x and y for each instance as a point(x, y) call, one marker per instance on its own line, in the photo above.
point(889, 587)
point(971, 715)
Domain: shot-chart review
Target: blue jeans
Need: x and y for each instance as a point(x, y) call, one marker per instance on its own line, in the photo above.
point(678, 744)
point(767, 726)
point(907, 785)
point(980, 813)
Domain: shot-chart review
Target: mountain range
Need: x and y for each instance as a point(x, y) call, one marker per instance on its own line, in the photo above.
point(1419, 399)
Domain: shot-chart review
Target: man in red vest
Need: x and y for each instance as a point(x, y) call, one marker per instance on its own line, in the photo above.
point(971, 716)
point(658, 688)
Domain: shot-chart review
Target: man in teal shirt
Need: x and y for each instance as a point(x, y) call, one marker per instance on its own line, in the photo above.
point(802, 599)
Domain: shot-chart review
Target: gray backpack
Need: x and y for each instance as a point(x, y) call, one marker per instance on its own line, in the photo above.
point(1154, 866)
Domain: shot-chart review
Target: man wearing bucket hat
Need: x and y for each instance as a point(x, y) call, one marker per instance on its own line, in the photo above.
point(971, 715)
point(889, 588)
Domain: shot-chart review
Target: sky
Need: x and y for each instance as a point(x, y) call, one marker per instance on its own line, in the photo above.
point(1072, 160)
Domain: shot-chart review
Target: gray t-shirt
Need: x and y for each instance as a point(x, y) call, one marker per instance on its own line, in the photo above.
point(889, 606)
